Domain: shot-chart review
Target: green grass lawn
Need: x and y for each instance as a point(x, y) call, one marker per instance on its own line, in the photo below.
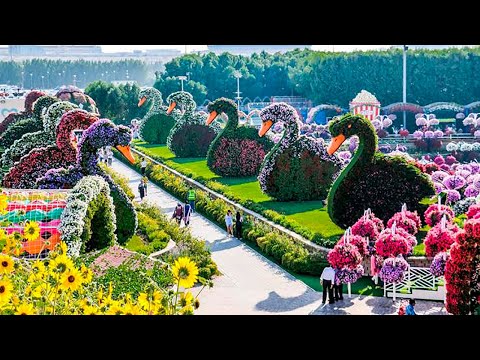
point(311, 214)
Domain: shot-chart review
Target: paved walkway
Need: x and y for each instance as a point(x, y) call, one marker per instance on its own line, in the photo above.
point(252, 284)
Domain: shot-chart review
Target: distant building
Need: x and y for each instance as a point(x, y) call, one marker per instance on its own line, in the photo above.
point(248, 50)
point(54, 50)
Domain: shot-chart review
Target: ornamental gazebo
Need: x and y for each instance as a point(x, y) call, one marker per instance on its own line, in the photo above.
point(365, 103)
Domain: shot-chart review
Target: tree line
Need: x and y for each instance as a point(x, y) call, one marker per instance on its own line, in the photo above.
point(43, 73)
point(326, 77)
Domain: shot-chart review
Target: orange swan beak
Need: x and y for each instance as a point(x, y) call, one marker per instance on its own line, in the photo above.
point(266, 125)
point(171, 107)
point(142, 101)
point(125, 150)
point(211, 117)
point(335, 143)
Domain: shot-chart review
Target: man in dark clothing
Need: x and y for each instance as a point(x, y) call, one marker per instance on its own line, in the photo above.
point(327, 278)
point(178, 213)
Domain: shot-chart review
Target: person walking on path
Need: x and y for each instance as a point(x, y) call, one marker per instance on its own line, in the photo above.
point(143, 165)
point(238, 225)
point(229, 223)
point(145, 187)
point(178, 213)
point(410, 310)
point(191, 196)
point(187, 213)
point(141, 189)
point(109, 156)
point(327, 278)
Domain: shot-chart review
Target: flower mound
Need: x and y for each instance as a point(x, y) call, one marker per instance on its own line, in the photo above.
point(393, 270)
point(473, 210)
point(344, 256)
point(461, 274)
point(433, 215)
point(403, 222)
point(438, 240)
point(437, 268)
point(358, 241)
point(366, 228)
point(238, 157)
point(389, 244)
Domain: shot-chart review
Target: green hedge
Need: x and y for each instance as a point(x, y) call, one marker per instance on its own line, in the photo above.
point(291, 255)
point(156, 128)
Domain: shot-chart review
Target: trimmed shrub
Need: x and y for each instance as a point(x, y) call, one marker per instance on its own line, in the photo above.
point(237, 157)
point(192, 140)
point(155, 129)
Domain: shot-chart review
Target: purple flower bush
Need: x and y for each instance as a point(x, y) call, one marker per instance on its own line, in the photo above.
point(437, 268)
point(346, 275)
point(393, 270)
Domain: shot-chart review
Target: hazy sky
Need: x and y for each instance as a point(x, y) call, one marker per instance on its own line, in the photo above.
point(116, 48)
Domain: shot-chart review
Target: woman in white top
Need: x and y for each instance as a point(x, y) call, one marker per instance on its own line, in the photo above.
point(229, 223)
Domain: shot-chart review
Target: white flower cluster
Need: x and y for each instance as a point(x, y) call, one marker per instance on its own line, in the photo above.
point(365, 97)
point(73, 217)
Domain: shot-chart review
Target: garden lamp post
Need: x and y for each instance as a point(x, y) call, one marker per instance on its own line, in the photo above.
point(43, 86)
point(127, 74)
point(85, 78)
point(182, 79)
point(74, 80)
point(59, 77)
point(238, 75)
point(405, 48)
point(48, 79)
point(23, 80)
point(31, 81)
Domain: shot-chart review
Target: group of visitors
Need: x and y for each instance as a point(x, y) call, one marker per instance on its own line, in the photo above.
point(105, 155)
point(184, 212)
point(334, 289)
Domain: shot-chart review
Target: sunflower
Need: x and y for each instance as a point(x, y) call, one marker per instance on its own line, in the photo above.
point(6, 264)
point(131, 309)
point(31, 231)
point(90, 310)
point(25, 309)
point(187, 310)
point(150, 300)
point(185, 272)
point(186, 299)
point(3, 203)
point(44, 290)
point(71, 280)
point(87, 274)
point(5, 290)
point(115, 309)
point(61, 264)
